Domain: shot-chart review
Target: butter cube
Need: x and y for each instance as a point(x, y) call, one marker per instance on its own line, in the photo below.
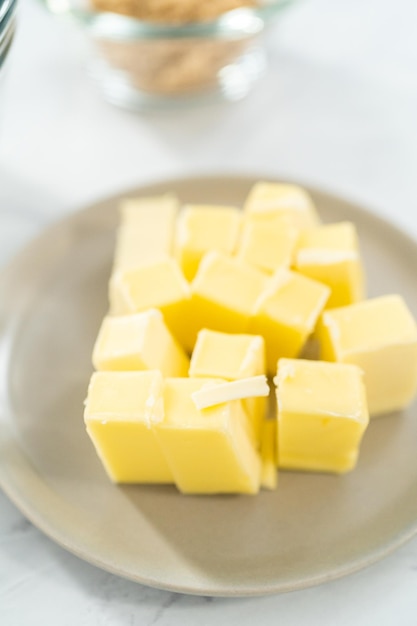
point(146, 230)
point(159, 285)
point(269, 474)
point(201, 228)
point(268, 200)
point(286, 314)
point(228, 356)
point(330, 254)
point(322, 415)
point(140, 341)
point(224, 293)
point(268, 244)
point(121, 413)
point(209, 451)
point(231, 357)
point(380, 336)
point(117, 299)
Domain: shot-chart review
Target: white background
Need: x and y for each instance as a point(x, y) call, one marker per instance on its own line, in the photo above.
point(338, 109)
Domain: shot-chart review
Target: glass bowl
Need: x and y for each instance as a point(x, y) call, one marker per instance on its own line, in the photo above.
point(141, 64)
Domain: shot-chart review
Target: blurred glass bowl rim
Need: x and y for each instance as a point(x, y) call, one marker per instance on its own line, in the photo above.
point(236, 23)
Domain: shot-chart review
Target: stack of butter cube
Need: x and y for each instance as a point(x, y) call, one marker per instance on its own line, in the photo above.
point(205, 303)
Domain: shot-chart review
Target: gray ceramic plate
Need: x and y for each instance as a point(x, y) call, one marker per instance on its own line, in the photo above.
point(312, 529)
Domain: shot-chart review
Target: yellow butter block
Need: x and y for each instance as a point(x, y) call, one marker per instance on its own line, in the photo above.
point(158, 285)
point(269, 474)
point(140, 341)
point(228, 356)
point(286, 314)
point(121, 413)
point(268, 200)
point(268, 244)
point(224, 293)
point(322, 415)
point(231, 357)
point(330, 254)
point(209, 451)
point(380, 336)
point(117, 298)
point(201, 228)
point(146, 230)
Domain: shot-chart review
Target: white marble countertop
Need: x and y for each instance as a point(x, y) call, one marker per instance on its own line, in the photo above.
point(337, 109)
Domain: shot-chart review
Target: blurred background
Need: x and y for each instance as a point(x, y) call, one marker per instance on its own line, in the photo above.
point(336, 108)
